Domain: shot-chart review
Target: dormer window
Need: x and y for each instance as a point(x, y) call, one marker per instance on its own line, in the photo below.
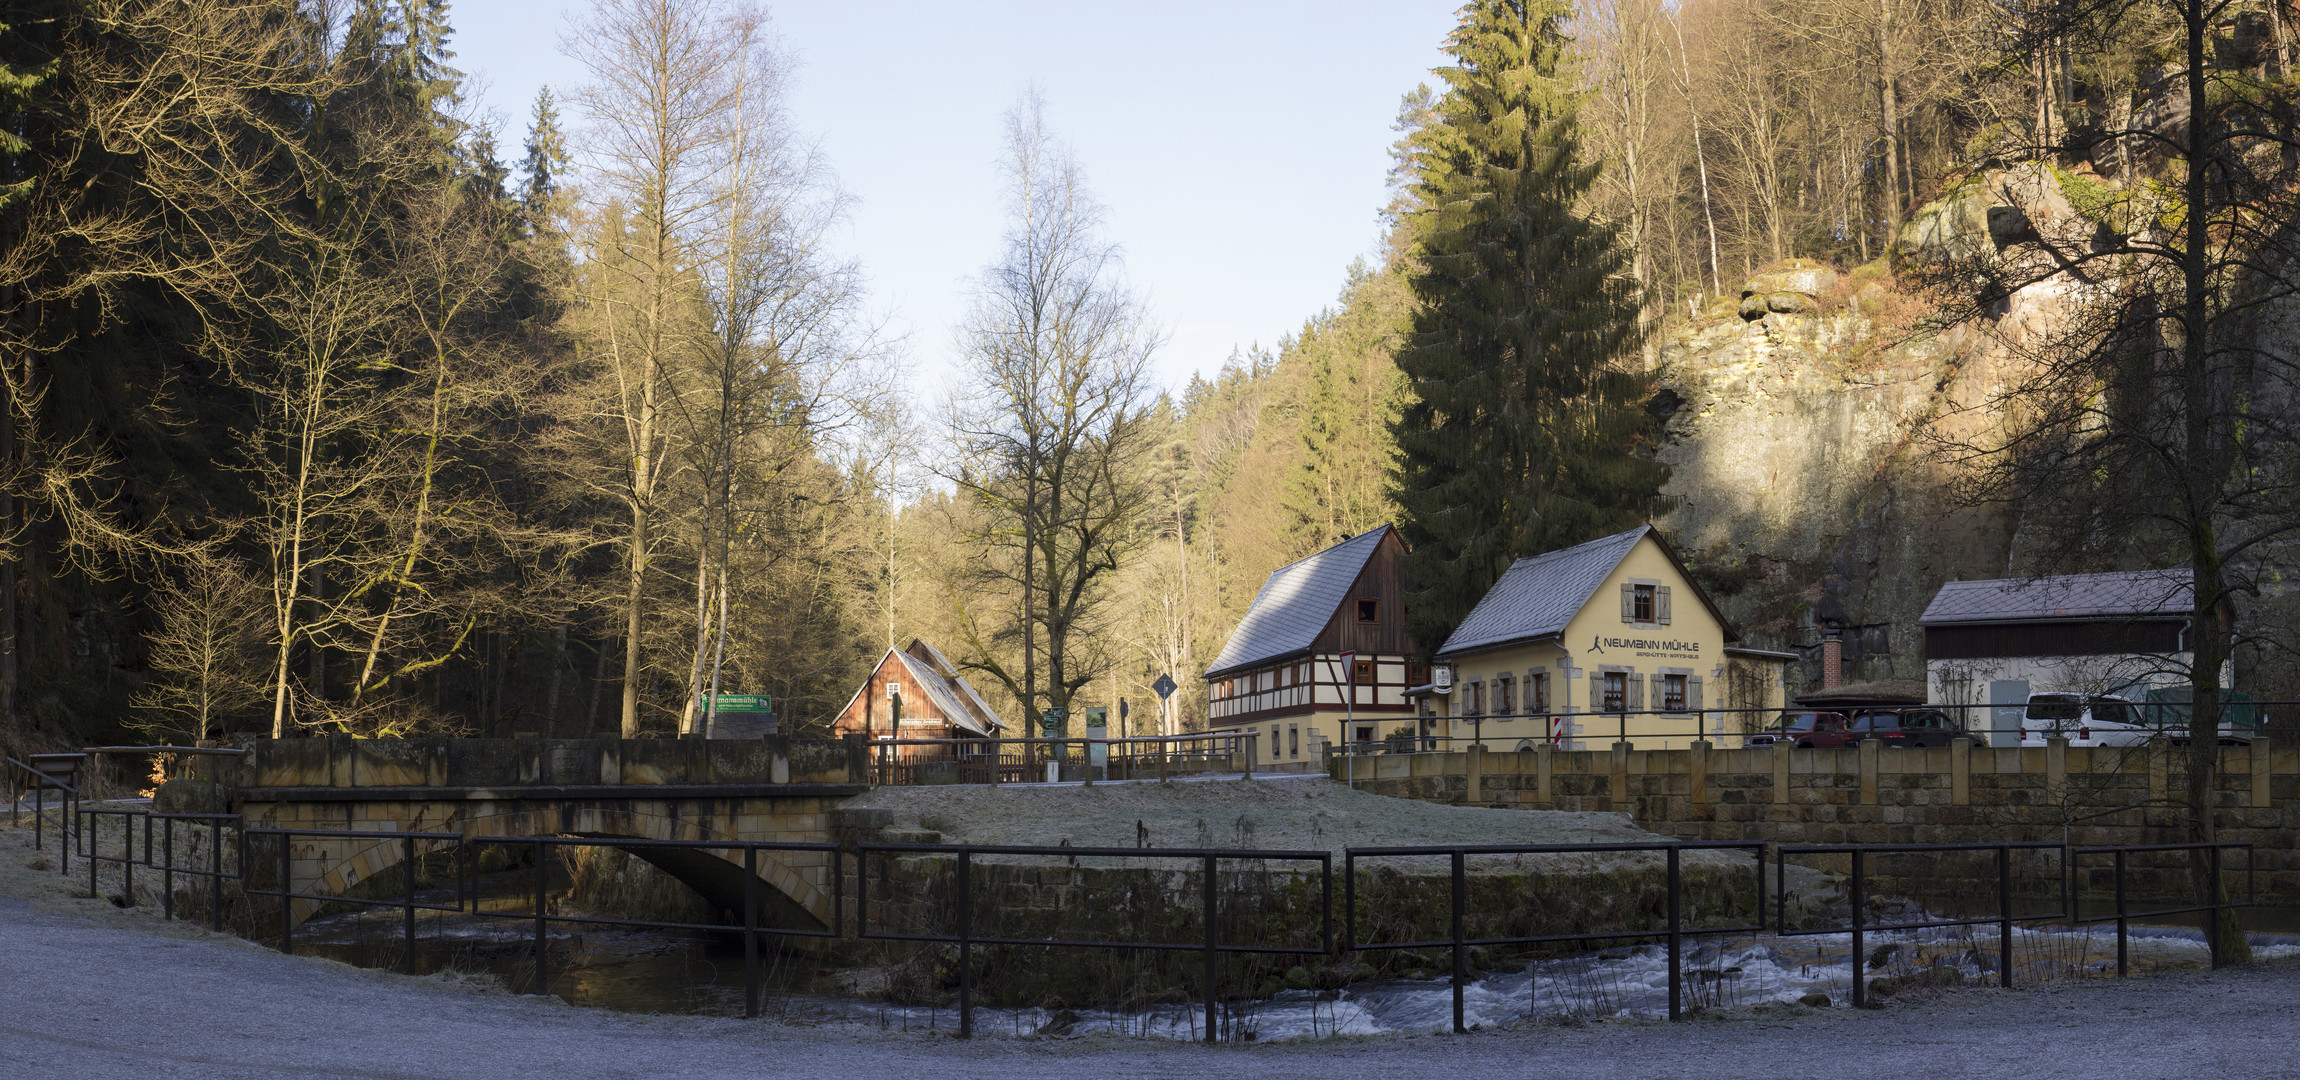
point(1369, 609)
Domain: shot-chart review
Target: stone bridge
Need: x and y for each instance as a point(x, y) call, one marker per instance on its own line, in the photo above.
point(774, 789)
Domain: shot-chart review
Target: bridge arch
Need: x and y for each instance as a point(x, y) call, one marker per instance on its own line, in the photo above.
point(794, 893)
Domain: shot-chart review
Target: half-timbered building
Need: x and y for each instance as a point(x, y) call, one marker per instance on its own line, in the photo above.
point(1282, 671)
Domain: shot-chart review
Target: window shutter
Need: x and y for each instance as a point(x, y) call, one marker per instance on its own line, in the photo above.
point(1661, 604)
point(1629, 603)
point(1636, 691)
point(1693, 692)
point(1596, 691)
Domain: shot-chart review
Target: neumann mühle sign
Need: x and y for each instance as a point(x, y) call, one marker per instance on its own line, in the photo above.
point(1681, 650)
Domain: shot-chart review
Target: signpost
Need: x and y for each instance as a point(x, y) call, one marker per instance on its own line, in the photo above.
point(1165, 686)
point(1350, 712)
point(1050, 726)
point(1097, 751)
point(738, 716)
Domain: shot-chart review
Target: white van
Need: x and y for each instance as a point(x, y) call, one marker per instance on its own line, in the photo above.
point(2082, 719)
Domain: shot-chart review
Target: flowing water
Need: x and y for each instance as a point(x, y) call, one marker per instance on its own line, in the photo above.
point(702, 973)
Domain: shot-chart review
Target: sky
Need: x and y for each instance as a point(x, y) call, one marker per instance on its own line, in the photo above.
point(1241, 148)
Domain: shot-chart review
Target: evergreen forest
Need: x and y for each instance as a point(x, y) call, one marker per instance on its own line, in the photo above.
point(330, 409)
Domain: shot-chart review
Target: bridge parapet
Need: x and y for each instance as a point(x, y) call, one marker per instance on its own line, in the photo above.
point(345, 762)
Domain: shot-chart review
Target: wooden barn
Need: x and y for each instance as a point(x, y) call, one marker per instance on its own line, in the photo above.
point(917, 693)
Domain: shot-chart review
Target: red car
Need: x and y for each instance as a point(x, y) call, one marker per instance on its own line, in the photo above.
point(1827, 730)
point(1906, 727)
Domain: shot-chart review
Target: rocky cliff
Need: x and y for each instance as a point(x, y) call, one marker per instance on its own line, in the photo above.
point(1805, 421)
point(1800, 422)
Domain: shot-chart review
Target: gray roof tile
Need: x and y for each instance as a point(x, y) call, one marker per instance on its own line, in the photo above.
point(2123, 594)
point(1296, 603)
point(1538, 595)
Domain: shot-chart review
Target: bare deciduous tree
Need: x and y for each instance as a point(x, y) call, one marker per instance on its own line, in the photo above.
point(1049, 428)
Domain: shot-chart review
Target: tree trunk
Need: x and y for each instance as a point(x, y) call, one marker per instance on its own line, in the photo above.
point(1700, 159)
point(2206, 471)
point(558, 676)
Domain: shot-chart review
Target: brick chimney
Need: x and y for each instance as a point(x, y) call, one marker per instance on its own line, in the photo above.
point(1832, 660)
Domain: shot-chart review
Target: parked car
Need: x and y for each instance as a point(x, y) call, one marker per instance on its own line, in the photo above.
point(1802, 729)
point(1906, 727)
point(2082, 719)
point(2107, 720)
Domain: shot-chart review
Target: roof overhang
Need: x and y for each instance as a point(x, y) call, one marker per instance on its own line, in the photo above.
point(1769, 654)
point(1426, 689)
point(1258, 663)
point(2037, 620)
point(1512, 643)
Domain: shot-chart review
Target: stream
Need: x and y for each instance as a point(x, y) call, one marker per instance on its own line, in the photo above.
point(650, 971)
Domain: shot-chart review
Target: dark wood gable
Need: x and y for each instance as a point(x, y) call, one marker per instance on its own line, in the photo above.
point(1383, 582)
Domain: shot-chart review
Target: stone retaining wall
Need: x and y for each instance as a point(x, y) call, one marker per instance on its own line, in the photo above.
point(1956, 794)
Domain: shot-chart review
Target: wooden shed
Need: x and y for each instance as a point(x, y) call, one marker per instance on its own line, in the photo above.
point(917, 693)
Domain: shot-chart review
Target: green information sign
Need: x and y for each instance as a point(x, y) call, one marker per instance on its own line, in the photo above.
point(1052, 721)
point(744, 703)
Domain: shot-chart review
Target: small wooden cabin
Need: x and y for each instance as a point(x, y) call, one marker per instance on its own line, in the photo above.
point(917, 693)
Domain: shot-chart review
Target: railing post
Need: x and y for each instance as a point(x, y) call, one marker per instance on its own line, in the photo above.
point(966, 944)
point(94, 832)
point(1860, 904)
point(751, 932)
point(287, 915)
point(2004, 910)
point(542, 969)
point(1676, 935)
point(1213, 958)
point(167, 866)
point(2212, 914)
point(1460, 909)
point(407, 872)
point(128, 859)
point(128, 847)
point(2123, 919)
point(216, 872)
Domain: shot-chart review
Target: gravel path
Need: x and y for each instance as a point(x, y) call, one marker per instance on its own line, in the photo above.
point(99, 992)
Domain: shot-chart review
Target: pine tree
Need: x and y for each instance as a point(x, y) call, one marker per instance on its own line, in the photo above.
point(546, 159)
point(1523, 434)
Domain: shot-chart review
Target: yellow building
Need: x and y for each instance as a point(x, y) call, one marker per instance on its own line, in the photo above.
point(1604, 641)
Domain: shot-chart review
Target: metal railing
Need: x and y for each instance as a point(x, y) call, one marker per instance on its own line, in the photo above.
point(2123, 915)
point(1211, 945)
point(41, 783)
point(1859, 926)
point(541, 846)
point(286, 893)
point(159, 854)
point(2164, 719)
point(1674, 931)
point(904, 762)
